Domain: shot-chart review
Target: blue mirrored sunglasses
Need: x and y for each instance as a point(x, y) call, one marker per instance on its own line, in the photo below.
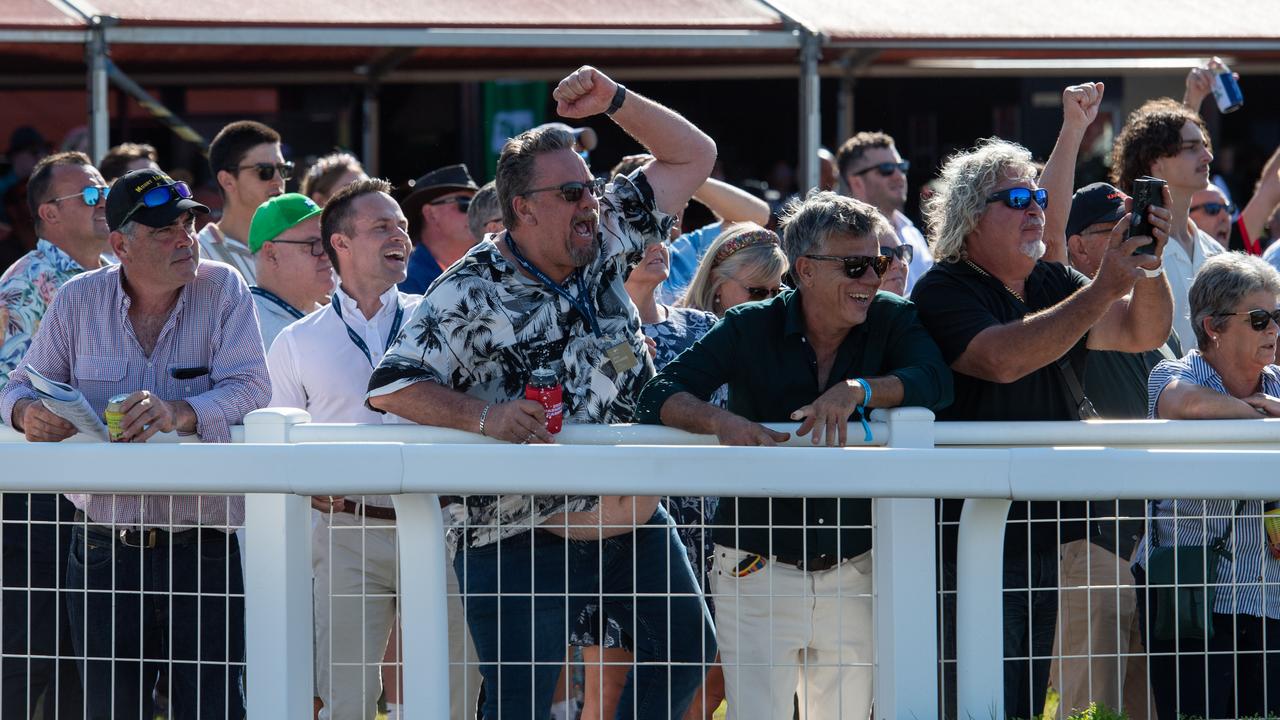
point(1214, 208)
point(1019, 198)
point(90, 194)
point(157, 196)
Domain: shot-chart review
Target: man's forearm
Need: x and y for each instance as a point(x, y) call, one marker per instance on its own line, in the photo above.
point(685, 411)
point(1058, 179)
point(683, 154)
point(886, 391)
point(732, 204)
point(1260, 206)
point(429, 403)
point(1149, 316)
point(19, 407)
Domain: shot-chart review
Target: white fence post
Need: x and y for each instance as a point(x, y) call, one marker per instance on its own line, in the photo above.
point(278, 625)
point(423, 612)
point(905, 573)
point(980, 609)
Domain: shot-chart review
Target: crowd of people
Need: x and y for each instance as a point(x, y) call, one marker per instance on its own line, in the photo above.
point(1023, 299)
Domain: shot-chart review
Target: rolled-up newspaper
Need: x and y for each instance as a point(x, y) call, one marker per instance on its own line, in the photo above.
point(69, 404)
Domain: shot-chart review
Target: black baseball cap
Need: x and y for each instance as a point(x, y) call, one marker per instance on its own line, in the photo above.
point(1095, 203)
point(127, 193)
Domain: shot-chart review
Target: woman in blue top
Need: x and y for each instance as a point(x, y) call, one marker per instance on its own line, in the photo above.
point(1233, 313)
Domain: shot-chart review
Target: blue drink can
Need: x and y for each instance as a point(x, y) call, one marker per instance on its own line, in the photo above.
point(1226, 91)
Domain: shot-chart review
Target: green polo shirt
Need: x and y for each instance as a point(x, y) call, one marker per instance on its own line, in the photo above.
point(760, 351)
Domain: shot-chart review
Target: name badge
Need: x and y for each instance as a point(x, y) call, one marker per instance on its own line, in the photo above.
point(622, 357)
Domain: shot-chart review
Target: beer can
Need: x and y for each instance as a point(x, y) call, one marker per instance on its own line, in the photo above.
point(1226, 91)
point(114, 414)
point(1271, 526)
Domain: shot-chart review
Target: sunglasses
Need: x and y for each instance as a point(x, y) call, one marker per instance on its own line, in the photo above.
point(1258, 319)
point(462, 201)
point(902, 252)
point(1210, 208)
point(1019, 198)
point(317, 247)
point(887, 168)
point(266, 171)
point(572, 191)
point(856, 265)
point(90, 194)
point(157, 196)
point(763, 293)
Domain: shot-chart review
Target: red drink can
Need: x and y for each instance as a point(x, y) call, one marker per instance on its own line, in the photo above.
point(545, 388)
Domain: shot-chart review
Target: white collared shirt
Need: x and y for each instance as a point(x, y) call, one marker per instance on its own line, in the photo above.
point(217, 245)
point(921, 258)
point(1181, 270)
point(315, 366)
point(272, 318)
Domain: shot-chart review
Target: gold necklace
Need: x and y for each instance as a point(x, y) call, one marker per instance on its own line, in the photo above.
point(1010, 290)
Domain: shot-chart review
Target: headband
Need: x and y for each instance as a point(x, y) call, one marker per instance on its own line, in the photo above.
point(750, 238)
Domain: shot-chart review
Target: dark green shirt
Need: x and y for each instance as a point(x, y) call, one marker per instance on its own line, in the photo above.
point(760, 351)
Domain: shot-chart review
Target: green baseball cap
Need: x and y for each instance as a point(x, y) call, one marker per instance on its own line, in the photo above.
point(277, 215)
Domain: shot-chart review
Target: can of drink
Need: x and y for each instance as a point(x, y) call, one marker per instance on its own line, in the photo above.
point(1226, 91)
point(545, 388)
point(1271, 524)
point(114, 414)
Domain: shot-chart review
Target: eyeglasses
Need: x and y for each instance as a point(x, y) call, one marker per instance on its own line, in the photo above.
point(856, 265)
point(572, 191)
point(462, 201)
point(1259, 318)
point(1214, 208)
point(902, 252)
point(90, 194)
point(266, 171)
point(886, 168)
point(1019, 198)
point(317, 247)
point(157, 196)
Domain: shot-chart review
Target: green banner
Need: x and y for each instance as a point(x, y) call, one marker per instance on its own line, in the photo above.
point(510, 108)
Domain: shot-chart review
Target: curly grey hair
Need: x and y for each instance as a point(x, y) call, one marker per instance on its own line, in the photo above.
point(514, 176)
point(1221, 283)
point(967, 178)
point(806, 224)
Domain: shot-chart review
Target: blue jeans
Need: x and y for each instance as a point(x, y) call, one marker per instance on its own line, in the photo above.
point(646, 584)
point(178, 607)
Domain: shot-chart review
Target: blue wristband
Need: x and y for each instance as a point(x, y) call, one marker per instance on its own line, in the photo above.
point(862, 407)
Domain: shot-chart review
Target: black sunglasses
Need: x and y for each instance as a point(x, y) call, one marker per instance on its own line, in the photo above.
point(317, 247)
point(1258, 318)
point(90, 194)
point(462, 201)
point(266, 171)
point(856, 265)
point(572, 191)
point(902, 252)
point(1214, 208)
point(1019, 198)
point(763, 293)
point(157, 196)
point(886, 168)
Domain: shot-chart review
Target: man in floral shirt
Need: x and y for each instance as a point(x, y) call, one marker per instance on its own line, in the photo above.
point(549, 292)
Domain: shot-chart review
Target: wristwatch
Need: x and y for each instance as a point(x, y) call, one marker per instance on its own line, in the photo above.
point(1153, 273)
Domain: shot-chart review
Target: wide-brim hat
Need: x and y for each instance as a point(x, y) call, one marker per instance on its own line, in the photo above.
point(442, 181)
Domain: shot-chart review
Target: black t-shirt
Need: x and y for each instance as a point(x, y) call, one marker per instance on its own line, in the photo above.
point(955, 303)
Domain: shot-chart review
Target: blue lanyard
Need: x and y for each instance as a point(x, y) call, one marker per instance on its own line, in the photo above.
point(359, 341)
point(279, 301)
point(580, 302)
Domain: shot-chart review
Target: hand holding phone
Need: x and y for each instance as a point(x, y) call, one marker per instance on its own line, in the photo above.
point(1147, 192)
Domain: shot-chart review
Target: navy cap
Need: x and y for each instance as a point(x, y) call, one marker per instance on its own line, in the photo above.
point(1095, 203)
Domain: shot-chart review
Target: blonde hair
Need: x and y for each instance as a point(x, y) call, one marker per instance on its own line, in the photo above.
point(752, 259)
point(968, 177)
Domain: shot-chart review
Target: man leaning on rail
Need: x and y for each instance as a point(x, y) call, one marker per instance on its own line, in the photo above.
point(793, 602)
point(153, 581)
point(549, 292)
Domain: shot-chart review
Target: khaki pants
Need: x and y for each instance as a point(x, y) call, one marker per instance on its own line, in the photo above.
point(1097, 652)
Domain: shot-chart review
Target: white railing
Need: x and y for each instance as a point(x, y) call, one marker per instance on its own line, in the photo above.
point(279, 459)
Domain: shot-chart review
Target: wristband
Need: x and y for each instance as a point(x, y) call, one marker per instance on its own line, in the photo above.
point(862, 408)
point(619, 96)
point(1153, 273)
point(484, 415)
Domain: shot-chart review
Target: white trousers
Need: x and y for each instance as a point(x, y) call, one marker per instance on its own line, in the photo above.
point(785, 633)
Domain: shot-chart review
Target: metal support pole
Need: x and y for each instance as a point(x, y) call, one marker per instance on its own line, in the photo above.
point(844, 105)
point(371, 138)
point(979, 609)
point(424, 615)
point(810, 111)
point(99, 109)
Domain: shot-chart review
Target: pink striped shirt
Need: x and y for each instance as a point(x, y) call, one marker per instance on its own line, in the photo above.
point(87, 340)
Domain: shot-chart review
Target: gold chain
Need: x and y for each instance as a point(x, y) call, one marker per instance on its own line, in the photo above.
point(1006, 287)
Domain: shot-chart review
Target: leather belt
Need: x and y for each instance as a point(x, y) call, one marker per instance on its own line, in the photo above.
point(151, 537)
point(817, 563)
point(376, 512)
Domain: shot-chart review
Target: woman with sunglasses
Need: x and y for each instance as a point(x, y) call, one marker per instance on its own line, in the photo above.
point(744, 264)
point(1233, 375)
point(891, 246)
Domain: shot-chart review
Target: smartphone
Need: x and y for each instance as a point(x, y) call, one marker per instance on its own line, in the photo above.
point(1147, 192)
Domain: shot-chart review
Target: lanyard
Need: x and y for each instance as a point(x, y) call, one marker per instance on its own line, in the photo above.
point(279, 301)
point(580, 302)
point(359, 341)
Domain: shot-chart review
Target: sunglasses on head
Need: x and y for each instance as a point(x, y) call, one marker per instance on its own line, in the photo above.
point(266, 171)
point(572, 191)
point(462, 201)
point(90, 194)
point(856, 265)
point(157, 196)
point(902, 252)
point(1259, 318)
point(317, 247)
point(1019, 198)
point(1214, 208)
point(887, 168)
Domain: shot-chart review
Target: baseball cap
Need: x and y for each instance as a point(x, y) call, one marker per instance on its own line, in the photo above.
point(1095, 203)
point(277, 215)
point(125, 201)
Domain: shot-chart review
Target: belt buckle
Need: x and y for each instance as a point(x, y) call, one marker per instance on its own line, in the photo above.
point(817, 564)
point(149, 543)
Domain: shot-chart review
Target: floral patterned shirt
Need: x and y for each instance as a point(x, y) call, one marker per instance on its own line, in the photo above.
point(484, 327)
point(26, 289)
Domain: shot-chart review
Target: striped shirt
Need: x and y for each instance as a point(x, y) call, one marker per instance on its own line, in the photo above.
point(1250, 581)
point(87, 340)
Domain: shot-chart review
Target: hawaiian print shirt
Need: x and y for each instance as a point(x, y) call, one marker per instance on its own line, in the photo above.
point(26, 289)
point(484, 327)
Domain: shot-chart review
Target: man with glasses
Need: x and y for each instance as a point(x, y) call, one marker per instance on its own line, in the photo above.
point(872, 171)
point(247, 163)
point(437, 213)
point(156, 579)
point(295, 276)
point(68, 197)
point(548, 293)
